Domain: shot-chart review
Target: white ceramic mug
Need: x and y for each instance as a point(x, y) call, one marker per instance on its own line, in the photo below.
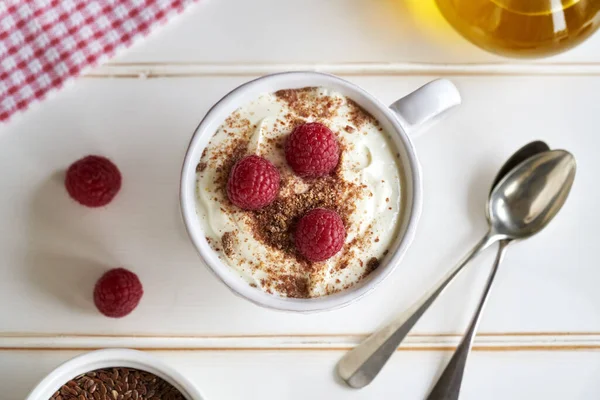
point(112, 358)
point(402, 119)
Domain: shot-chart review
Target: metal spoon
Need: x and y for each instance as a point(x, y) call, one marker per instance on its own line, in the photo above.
point(359, 366)
point(525, 152)
point(449, 382)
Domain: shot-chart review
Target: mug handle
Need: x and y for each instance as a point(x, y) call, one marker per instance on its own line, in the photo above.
point(420, 109)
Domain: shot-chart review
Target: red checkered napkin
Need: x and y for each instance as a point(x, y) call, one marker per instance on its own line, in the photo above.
point(43, 43)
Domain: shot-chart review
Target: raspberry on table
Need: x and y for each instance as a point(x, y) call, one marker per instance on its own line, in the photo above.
point(312, 150)
point(117, 293)
point(93, 181)
point(253, 183)
point(320, 234)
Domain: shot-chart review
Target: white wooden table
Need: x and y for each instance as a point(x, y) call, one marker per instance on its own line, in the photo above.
point(540, 334)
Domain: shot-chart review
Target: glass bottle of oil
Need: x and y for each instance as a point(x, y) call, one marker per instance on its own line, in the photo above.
point(523, 28)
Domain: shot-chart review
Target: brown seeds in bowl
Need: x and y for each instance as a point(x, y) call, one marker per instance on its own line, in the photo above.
point(117, 384)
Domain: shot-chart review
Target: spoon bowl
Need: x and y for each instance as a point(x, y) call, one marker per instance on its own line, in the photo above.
point(529, 150)
point(529, 197)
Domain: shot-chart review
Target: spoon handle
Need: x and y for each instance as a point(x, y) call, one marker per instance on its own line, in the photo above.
point(362, 364)
point(448, 385)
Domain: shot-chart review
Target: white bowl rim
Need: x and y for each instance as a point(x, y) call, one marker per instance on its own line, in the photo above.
point(107, 358)
point(222, 271)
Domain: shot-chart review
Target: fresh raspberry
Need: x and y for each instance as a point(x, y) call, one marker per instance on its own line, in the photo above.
point(118, 292)
point(312, 150)
point(93, 181)
point(320, 234)
point(253, 183)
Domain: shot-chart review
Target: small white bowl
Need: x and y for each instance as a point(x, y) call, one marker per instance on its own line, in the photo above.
point(401, 120)
point(112, 358)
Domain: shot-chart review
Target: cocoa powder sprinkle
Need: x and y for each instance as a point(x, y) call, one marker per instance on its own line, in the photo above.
point(274, 224)
point(305, 103)
point(201, 167)
point(358, 116)
point(293, 286)
point(228, 243)
point(372, 265)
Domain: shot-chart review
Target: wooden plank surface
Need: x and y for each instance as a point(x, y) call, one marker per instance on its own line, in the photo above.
point(296, 375)
point(541, 330)
point(316, 31)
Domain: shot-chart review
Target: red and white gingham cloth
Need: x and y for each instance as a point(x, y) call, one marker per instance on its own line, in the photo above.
point(43, 43)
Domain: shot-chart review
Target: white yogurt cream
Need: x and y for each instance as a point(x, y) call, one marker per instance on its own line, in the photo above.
point(367, 181)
